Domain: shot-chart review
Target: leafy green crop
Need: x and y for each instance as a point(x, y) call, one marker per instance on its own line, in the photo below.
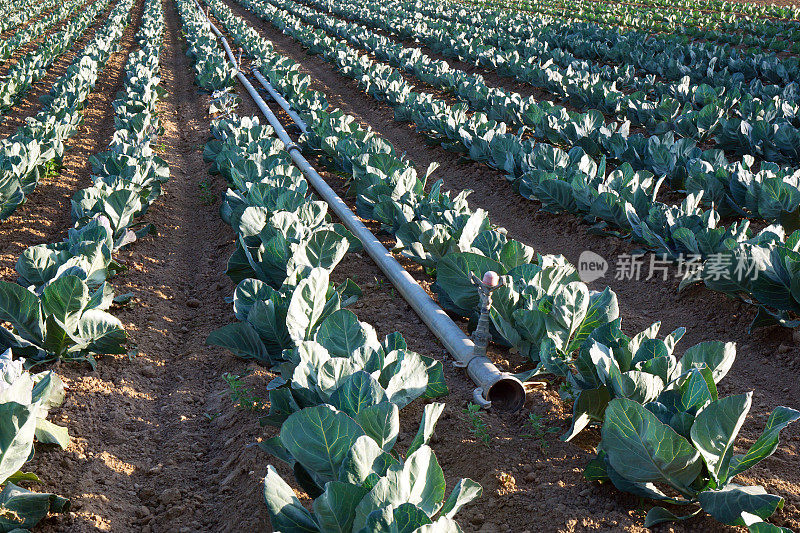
point(212, 69)
point(357, 478)
point(544, 309)
point(340, 389)
point(67, 321)
point(28, 154)
point(640, 451)
point(346, 355)
point(86, 253)
point(24, 403)
point(58, 310)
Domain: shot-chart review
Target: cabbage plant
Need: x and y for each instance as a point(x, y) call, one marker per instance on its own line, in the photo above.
point(25, 400)
point(275, 246)
point(67, 321)
point(272, 320)
point(358, 480)
point(86, 252)
point(346, 351)
point(642, 368)
point(640, 452)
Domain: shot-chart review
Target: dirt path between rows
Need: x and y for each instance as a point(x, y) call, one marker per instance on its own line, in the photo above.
point(155, 437)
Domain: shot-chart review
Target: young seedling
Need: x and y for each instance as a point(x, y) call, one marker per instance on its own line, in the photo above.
point(565, 392)
point(51, 169)
point(243, 397)
point(479, 428)
point(538, 431)
point(206, 194)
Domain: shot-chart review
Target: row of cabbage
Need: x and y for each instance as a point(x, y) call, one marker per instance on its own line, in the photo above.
point(210, 70)
point(664, 57)
point(708, 99)
point(681, 163)
point(729, 26)
point(341, 388)
point(58, 309)
point(653, 407)
point(38, 144)
point(769, 11)
point(695, 22)
point(33, 66)
point(622, 199)
point(14, 14)
point(39, 26)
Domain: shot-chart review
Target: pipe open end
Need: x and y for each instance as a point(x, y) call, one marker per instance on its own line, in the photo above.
point(507, 394)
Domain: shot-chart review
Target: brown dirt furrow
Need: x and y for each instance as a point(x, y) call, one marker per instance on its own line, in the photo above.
point(157, 443)
point(763, 358)
point(46, 214)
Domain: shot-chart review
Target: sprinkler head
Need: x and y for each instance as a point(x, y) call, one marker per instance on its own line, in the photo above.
point(491, 279)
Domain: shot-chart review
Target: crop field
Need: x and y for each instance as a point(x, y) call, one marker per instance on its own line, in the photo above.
point(399, 266)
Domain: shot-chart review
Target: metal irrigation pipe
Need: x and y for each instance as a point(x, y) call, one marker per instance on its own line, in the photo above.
point(278, 97)
point(496, 388)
